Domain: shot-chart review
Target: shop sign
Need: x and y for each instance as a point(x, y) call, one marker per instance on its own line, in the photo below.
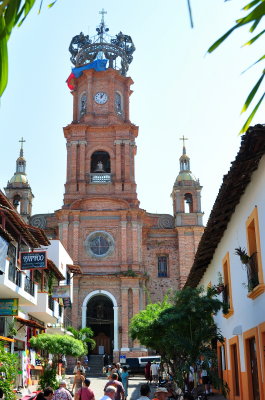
point(61, 292)
point(8, 307)
point(33, 260)
point(67, 302)
point(122, 359)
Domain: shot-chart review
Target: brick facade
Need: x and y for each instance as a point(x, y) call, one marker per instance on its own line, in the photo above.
point(101, 208)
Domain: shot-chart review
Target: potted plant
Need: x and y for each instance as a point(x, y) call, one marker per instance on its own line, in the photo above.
point(220, 285)
point(250, 264)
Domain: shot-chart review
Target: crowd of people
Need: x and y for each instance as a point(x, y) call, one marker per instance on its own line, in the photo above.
point(116, 387)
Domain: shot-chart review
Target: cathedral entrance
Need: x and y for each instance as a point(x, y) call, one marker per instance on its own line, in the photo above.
point(100, 318)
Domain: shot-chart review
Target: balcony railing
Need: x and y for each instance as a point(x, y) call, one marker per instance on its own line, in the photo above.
point(100, 177)
point(29, 286)
point(66, 321)
point(51, 303)
point(14, 275)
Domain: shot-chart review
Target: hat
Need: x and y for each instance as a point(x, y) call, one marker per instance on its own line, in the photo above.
point(62, 383)
point(161, 390)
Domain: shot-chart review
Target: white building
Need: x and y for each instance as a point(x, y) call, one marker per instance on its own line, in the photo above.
point(27, 304)
point(238, 220)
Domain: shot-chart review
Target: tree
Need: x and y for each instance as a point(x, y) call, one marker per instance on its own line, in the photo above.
point(12, 13)
point(8, 372)
point(58, 345)
point(85, 335)
point(182, 331)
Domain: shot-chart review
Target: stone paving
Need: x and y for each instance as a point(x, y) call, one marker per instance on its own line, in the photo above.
point(97, 385)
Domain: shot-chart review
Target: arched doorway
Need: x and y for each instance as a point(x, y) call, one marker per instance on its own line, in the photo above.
point(100, 312)
point(100, 318)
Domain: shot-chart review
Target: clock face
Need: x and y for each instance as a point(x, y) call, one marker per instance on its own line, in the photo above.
point(101, 98)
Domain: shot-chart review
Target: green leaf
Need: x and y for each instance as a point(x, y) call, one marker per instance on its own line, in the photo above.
point(253, 39)
point(248, 121)
point(27, 7)
point(260, 59)
point(251, 4)
point(221, 39)
point(3, 65)
point(10, 15)
point(254, 26)
point(51, 4)
point(252, 93)
point(257, 13)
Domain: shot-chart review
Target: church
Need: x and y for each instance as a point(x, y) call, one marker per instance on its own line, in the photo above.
point(127, 256)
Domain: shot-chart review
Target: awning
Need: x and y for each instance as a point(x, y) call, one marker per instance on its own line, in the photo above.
point(53, 267)
point(6, 339)
point(29, 322)
point(75, 269)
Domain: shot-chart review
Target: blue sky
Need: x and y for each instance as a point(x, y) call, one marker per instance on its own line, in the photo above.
point(178, 90)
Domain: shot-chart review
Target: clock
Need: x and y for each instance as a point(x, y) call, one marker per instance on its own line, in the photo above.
point(101, 98)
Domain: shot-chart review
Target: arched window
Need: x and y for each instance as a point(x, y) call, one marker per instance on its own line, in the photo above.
point(100, 162)
point(162, 266)
point(82, 105)
point(118, 103)
point(16, 201)
point(188, 203)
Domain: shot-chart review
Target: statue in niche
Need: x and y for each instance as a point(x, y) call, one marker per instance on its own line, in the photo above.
point(83, 106)
point(100, 167)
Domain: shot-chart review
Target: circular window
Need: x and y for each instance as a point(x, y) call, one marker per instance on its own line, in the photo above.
point(99, 244)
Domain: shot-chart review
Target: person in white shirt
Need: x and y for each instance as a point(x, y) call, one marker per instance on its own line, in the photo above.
point(154, 370)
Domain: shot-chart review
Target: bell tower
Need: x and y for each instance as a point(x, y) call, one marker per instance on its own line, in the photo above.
point(186, 196)
point(18, 190)
point(101, 139)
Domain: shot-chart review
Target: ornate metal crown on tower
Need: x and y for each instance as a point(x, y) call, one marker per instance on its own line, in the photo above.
point(117, 50)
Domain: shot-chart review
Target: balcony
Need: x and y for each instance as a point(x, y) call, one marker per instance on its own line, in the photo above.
point(14, 284)
point(99, 177)
point(46, 310)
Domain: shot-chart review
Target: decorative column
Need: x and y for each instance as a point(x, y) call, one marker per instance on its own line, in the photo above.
point(124, 318)
point(118, 160)
point(127, 161)
point(75, 238)
point(123, 242)
point(68, 172)
point(82, 144)
point(116, 328)
point(73, 160)
point(136, 309)
point(135, 241)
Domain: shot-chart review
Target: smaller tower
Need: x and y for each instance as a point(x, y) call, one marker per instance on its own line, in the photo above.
point(186, 194)
point(18, 189)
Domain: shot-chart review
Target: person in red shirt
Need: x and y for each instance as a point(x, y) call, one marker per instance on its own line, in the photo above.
point(118, 385)
point(85, 393)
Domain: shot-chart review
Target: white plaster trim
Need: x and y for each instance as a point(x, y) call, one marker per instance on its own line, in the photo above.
point(115, 309)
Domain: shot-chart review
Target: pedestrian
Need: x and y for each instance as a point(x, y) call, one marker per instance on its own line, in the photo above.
point(119, 371)
point(62, 393)
point(78, 383)
point(118, 385)
point(109, 393)
point(154, 371)
point(145, 392)
point(125, 380)
point(79, 367)
point(161, 393)
point(147, 372)
point(85, 393)
point(48, 393)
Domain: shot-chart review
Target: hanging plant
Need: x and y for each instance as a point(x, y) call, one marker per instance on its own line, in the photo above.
point(220, 285)
point(12, 331)
point(250, 264)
